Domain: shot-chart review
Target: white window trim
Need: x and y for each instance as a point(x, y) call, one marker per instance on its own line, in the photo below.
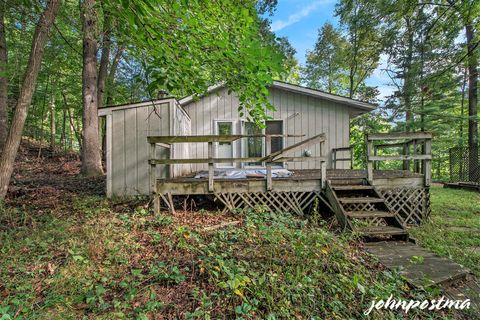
point(215, 147)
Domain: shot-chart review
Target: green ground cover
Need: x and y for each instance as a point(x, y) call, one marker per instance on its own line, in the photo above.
point(454, 227)
point(94, 258)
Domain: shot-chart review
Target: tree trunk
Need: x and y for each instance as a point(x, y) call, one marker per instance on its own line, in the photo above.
point(408, 79)
point(25, 98)
point(64, 129)
point(91, 149)
point(3, 82)
point(111, 76)
point(53, 129)
point(473, 163)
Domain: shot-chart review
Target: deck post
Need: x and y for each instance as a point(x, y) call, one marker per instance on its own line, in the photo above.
point(369, 162)
point(351, 157)
point(334, 158)
point(268, 150)
point(323, 167)
point(153, 179)
point(375, 152)
point(210, 166)
point(406, 151)
point(427, 165)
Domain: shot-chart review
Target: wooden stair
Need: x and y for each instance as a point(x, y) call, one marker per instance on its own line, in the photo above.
point(360, 208)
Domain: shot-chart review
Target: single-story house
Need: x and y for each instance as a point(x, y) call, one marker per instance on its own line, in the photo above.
point(300, 111)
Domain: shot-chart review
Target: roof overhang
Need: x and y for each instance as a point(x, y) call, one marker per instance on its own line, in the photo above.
point(359, 107)
point(108, 109)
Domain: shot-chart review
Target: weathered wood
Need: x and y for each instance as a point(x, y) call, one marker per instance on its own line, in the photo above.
point(381, 231)
point(399, 135)
point(153, 169)
point(210, 138)
point(200, 186)
point(369, 161)
point(402, 157)
point(302, 144)
point(203, 160)
point(163, 145)
point(210, 167)
point(427, 167)
point(337, 207)
point(323, 172)
point(268, 148)
point(109, 135)
point(369, 214)
point(360, 200)
point(230, 160)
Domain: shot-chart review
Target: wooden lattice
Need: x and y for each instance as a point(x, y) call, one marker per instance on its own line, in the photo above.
point(359, 207)
point(295, 202)
point(411, 204)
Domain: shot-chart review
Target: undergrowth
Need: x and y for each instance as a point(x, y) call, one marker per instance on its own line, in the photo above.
point(110, 260)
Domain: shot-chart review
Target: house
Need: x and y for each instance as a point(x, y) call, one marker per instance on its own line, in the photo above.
point(301, 157)
point(300, 112)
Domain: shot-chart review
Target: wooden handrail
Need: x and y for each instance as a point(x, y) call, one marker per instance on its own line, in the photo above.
point(278, 156)
point(413, 139)
point(342, 149)
point(212, 138)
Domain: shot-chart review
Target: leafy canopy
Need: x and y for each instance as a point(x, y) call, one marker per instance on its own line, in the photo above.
point(187, 46)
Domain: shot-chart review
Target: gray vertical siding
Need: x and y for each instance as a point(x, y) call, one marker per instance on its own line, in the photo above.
point(302, 114)
point(129, 152)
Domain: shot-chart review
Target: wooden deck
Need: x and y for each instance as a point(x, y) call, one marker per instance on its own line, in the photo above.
point(301, 181)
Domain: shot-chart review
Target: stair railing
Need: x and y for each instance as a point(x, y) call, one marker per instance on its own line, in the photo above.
point(408, 144)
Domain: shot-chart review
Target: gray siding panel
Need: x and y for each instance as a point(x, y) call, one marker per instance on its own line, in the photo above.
point(130, 128)
point(301, 115)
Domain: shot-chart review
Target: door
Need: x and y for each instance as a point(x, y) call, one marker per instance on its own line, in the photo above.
point(253, 145)
point(224, 149)
point(275, 127)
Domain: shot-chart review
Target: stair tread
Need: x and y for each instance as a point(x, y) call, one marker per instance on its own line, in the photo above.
point(370, 214)
point(352, 187)
point(381, 230)
point(359, 199)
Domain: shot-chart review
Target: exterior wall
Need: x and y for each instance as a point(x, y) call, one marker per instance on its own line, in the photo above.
point(127, 162)
point(181, 127)
point(301, 115)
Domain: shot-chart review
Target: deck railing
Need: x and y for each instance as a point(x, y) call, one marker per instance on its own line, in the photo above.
point(268, 159)
point(336, 158)
point(414, 146)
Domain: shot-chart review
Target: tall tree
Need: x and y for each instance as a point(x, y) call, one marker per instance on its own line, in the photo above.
point(26, 92)
point(326, 66)
point(3, 80)
point(91, 147)
point(364, 36)
point(471, 11)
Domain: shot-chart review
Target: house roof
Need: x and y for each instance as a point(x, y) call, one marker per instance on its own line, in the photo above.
point(357, 104)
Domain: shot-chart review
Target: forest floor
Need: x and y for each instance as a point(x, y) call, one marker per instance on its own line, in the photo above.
point(67, 252)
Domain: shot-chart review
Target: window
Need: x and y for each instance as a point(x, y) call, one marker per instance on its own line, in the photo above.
point(255, 146)
point(224, 149)
point(275, 127)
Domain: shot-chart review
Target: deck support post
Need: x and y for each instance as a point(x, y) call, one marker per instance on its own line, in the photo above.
point(406, 151)
point(427, 165)
point(153, 179)
point(369, 162)
point(334, 159)
point(268, 150)
point(323, 167)
point(210, 166)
